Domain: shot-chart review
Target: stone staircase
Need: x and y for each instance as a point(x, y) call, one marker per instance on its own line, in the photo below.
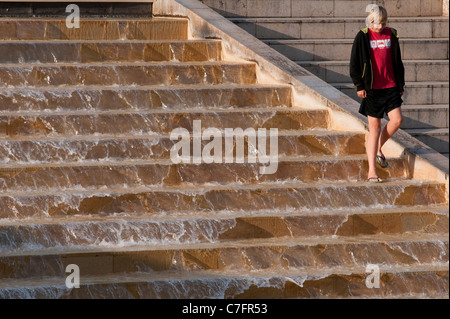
point(318, 35)
point(87, 178)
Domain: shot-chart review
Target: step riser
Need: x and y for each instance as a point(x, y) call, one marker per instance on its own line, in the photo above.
point(257, 258)
point(425, 118)
point(21, 9)
point(142, 99)
point(50, 52)
point(163, 202)
point(340, 51)
point(128, 232)
point(54, 178)
point(44, 29)
point(341, 29)
point(439, 142)
point(320, 9)
point(162, 74)
point(159, 148)
point(415, 94)
point(394, 285)
point(161, 123)
point(414, 71)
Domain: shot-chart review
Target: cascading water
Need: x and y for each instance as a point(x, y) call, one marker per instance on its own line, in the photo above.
point(87, 178)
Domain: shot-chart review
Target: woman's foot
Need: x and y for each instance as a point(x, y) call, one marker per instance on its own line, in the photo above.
point(375, 179)
point(381, 160)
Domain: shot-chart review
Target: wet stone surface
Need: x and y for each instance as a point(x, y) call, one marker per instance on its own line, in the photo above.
point(87, 175)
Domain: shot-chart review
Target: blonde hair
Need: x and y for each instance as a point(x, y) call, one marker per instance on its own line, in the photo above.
point(377, 15)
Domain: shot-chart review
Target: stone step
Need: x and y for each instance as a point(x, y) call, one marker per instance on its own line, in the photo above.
point(157, 201)
point(272, 254)
point(425, 116)
point(71, 124)
point(33, 238)
point(108, 51)
point(86, 148)
point(125, 74)
point(339, 50)
point(437, 139)
point(422, 281)
point(415, 70)
point(339, 28)
point(140, 98)
point(321, 9)
point(87, 175)
point(156, 28)
point(416, 93)
point(143, 226)
point(99, 9)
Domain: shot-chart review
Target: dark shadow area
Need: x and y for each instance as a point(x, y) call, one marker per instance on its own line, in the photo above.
point(323, 71)
point(90, 9)
point(435, 143)
point(276, 41)
point(410, 123)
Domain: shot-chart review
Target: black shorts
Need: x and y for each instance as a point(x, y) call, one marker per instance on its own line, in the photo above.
point(380, 102)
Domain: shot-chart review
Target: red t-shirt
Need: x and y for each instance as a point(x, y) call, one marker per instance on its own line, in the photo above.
point(380, 54)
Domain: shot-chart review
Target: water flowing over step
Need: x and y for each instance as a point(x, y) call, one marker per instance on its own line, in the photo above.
point(147, 122)
point(396, 283)
point(100, 98)
point(139, 146)
point(149, 173)
point(98, 29)
point(83, 233)
point(127, 74)
point(87, 177)
point(19, 51)
point(290, 196)
point(249, 255)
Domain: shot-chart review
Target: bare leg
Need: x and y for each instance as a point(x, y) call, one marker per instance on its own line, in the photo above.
point(372, 144)
point(395, 121)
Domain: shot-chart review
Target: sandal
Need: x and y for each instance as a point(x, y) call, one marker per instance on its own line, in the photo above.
point(375, 180)
point(380, 159)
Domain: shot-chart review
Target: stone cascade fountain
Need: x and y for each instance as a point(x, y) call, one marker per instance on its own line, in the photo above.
point(87, 178)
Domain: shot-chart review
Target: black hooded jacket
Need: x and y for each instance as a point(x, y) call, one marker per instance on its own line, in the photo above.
point(361, 65)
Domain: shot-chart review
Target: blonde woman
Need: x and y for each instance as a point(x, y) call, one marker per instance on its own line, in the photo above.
point(377, 70)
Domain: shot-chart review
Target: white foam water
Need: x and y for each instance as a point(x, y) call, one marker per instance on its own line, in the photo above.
point(109, 234)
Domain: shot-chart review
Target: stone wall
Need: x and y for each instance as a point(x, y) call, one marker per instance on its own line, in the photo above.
point(323, 8)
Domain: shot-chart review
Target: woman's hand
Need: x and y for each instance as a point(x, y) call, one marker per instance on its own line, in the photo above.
point(362, 94)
